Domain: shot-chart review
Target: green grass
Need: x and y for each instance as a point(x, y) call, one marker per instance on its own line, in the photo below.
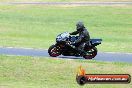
point(35, 72)
point(37, 26)
point(58, 0)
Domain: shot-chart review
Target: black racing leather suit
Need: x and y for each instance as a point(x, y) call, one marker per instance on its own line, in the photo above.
point(84, 38)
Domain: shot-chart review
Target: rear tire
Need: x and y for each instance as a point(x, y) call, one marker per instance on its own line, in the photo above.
point(54, 51)
point(91, 53)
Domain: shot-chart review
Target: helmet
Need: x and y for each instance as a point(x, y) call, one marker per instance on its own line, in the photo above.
point(79, 26)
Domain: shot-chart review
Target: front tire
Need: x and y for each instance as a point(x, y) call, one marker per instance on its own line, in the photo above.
point(91, 53)
point(54, 51)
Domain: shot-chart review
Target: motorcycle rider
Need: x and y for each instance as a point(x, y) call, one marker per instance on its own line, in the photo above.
point(83, 38)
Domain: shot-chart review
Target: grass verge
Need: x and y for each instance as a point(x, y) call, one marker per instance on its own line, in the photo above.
point(60, 0)
point(36, 72)
point(36, 26)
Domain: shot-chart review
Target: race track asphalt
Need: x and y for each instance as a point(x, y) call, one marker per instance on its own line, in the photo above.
point(102, 56)
point(69, 3)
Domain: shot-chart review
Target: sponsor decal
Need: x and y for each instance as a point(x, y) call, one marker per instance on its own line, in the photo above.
point(83, 78)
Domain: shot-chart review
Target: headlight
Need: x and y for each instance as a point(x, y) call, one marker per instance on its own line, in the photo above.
point(58, 38)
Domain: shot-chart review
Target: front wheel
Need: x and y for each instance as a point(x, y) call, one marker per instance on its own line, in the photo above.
point(54, 51)
point(91, 53)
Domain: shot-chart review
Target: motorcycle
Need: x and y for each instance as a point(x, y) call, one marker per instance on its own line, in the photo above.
point(63, 47)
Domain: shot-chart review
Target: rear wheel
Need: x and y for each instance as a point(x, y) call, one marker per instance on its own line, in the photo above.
point(91, 53)
point(54, 51)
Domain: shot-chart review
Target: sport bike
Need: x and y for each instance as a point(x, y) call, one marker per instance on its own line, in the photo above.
point(63, 47)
